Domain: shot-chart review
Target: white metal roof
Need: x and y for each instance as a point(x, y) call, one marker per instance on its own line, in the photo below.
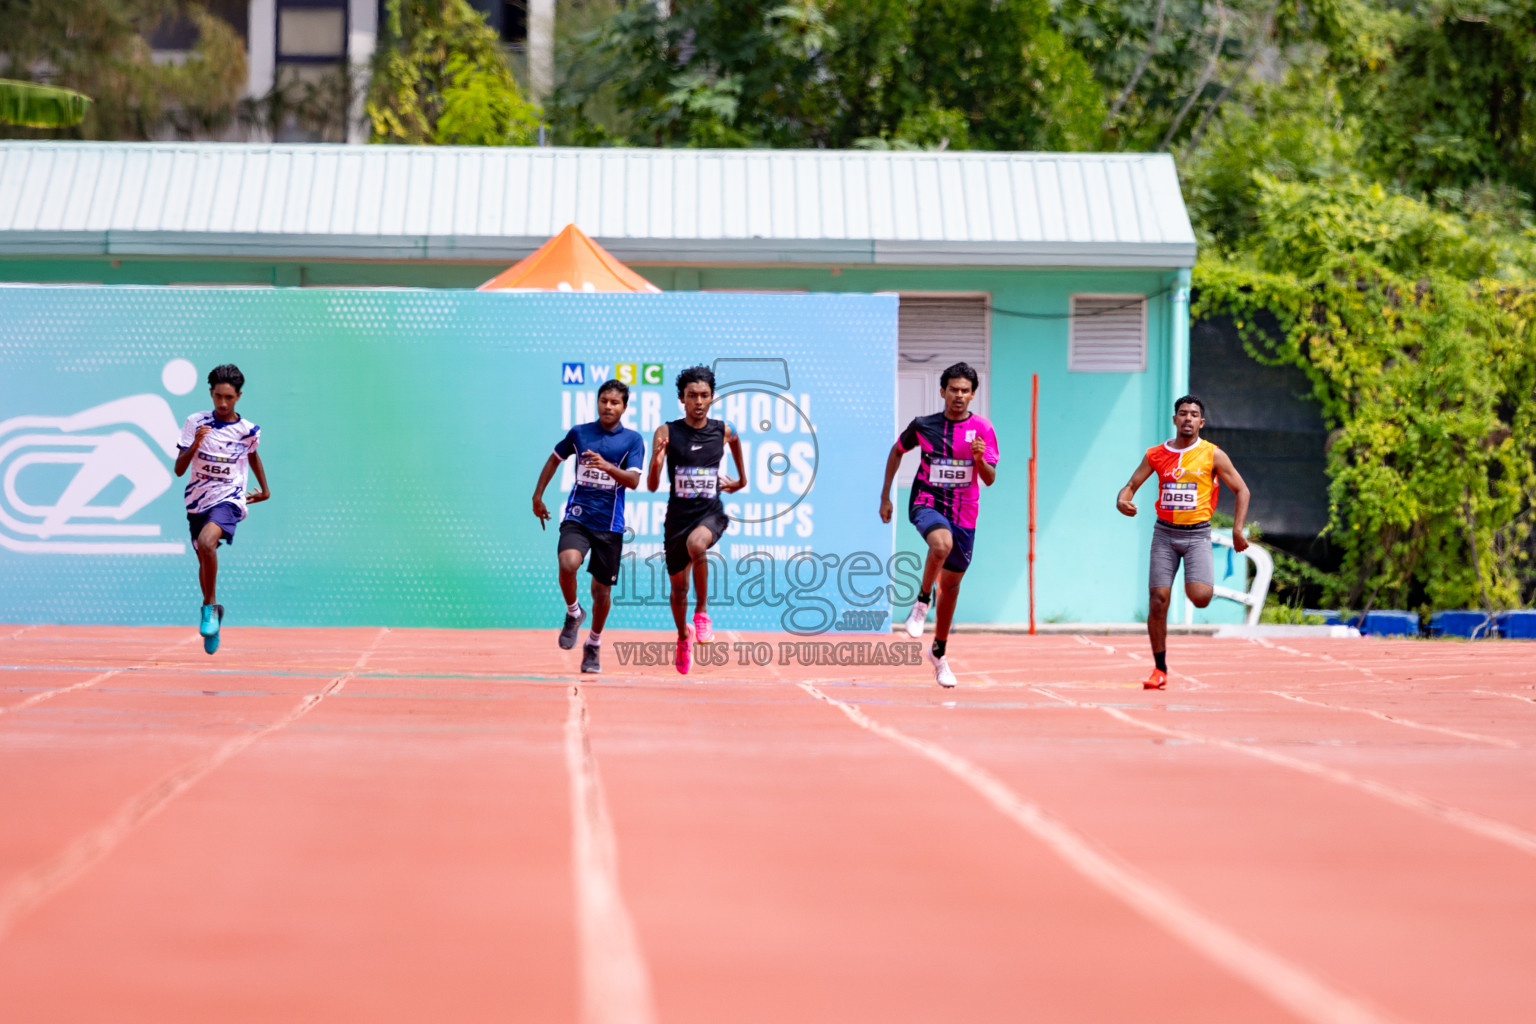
point(645, 205)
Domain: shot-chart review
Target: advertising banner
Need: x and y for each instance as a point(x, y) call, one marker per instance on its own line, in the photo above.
point(402, 433)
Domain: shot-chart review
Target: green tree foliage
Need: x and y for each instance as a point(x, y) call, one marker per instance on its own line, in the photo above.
point(1413, 313)
point(100, 48)
point(41, 106)
point(440, 77)
point(830, 73)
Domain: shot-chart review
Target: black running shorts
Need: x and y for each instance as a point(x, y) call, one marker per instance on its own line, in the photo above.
point(606, 547)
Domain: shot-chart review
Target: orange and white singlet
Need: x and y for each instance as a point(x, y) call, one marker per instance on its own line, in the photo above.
point(1186, 482)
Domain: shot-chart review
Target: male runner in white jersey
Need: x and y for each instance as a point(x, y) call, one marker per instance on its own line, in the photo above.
point(218, 446)
point(1187, 469)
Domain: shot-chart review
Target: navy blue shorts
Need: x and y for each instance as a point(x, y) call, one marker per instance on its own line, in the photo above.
point(927, 520)
point(225, 514)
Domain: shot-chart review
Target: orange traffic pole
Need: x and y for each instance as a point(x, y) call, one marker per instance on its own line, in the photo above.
point(1034, 453)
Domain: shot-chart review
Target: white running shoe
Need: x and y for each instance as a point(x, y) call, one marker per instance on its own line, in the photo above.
point(941, 673)
point(916, 617)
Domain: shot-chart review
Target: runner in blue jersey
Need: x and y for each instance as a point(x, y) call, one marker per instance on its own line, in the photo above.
point(609, 458)
point(219, 447)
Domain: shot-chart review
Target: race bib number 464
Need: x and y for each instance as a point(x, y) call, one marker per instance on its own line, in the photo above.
point(951, 473)
point(213, 467)
point(1178, 497)
point(696, 482)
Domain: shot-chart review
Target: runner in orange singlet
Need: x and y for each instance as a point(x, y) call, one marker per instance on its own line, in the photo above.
point(1188, 470)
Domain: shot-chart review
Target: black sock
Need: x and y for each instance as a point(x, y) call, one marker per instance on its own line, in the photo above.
point(1161, 657)
point(938, 648)
point(926, 597)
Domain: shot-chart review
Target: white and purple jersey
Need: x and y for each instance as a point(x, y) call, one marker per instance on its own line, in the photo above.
point(221, 463)
point(946, 480)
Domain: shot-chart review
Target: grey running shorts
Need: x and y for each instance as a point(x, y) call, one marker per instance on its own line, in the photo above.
point(1169, 545)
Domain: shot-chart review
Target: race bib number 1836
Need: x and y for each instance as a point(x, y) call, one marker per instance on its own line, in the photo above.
point(696, 481)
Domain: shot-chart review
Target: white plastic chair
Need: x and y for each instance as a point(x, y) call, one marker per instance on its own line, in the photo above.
point(1257, 593)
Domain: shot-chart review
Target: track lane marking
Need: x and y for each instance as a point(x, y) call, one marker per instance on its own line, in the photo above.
point(34, 887)
point(1511, 696)
point(1282, 981)
point(1408, 722)
point(1489, 828)
point(615, 984)
point(38, 698)
point(1307, 654)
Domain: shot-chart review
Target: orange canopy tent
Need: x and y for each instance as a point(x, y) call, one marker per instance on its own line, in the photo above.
point(569, 262)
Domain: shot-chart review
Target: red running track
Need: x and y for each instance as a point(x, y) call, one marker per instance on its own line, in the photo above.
point(365, 825)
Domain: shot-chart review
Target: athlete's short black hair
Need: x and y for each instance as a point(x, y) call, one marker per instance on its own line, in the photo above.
point(229, 374)
point(695, 375)
point(1189, 400)
point(959, 370)
point(615, 385)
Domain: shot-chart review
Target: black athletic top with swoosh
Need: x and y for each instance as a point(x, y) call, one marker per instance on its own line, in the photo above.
point(693, 467)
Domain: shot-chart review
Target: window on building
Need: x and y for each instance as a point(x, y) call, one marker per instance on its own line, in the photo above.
point(178, 32)
point(311, 31)
point(1108, 334)
point(934, 332)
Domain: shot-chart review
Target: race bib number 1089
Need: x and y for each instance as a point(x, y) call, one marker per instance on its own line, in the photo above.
point(1177, 497)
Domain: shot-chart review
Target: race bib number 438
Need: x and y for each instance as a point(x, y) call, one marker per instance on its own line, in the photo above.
point(1178, 497)
point(591, 476)
point(696, 482)
point(951, 473)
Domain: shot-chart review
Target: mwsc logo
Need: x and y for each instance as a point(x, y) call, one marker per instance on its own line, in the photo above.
point(44, 512)
point(593, 374)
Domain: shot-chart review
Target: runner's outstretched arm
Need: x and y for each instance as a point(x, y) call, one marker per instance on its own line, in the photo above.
point(1233, 479)
point(729, 486)
point(1124, 503)
point(539, 509)
point(892, 464)
point(658, 457)
point(984, 469)
point(184, 457)
point(261, 478)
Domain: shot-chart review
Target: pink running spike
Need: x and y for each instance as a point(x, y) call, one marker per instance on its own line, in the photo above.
point(703, 631)
point(684, 660)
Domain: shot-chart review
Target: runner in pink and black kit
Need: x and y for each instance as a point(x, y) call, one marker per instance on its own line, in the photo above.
point(959, 453)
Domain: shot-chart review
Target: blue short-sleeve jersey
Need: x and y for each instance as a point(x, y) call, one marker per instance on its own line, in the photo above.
point(597, 500)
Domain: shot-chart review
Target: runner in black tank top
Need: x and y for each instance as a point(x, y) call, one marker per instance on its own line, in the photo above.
point(694, 447)
point(693, 467)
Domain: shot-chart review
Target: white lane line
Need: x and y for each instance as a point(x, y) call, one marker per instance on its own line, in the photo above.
point(31, 889)
point(13, 636)
point(1092, 643)
point(1408, 722)
point(615, 985)
point(38, 698)
point(1287, 984)
point(1307, 654)
point(1477, 824)
point(1511, 696)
